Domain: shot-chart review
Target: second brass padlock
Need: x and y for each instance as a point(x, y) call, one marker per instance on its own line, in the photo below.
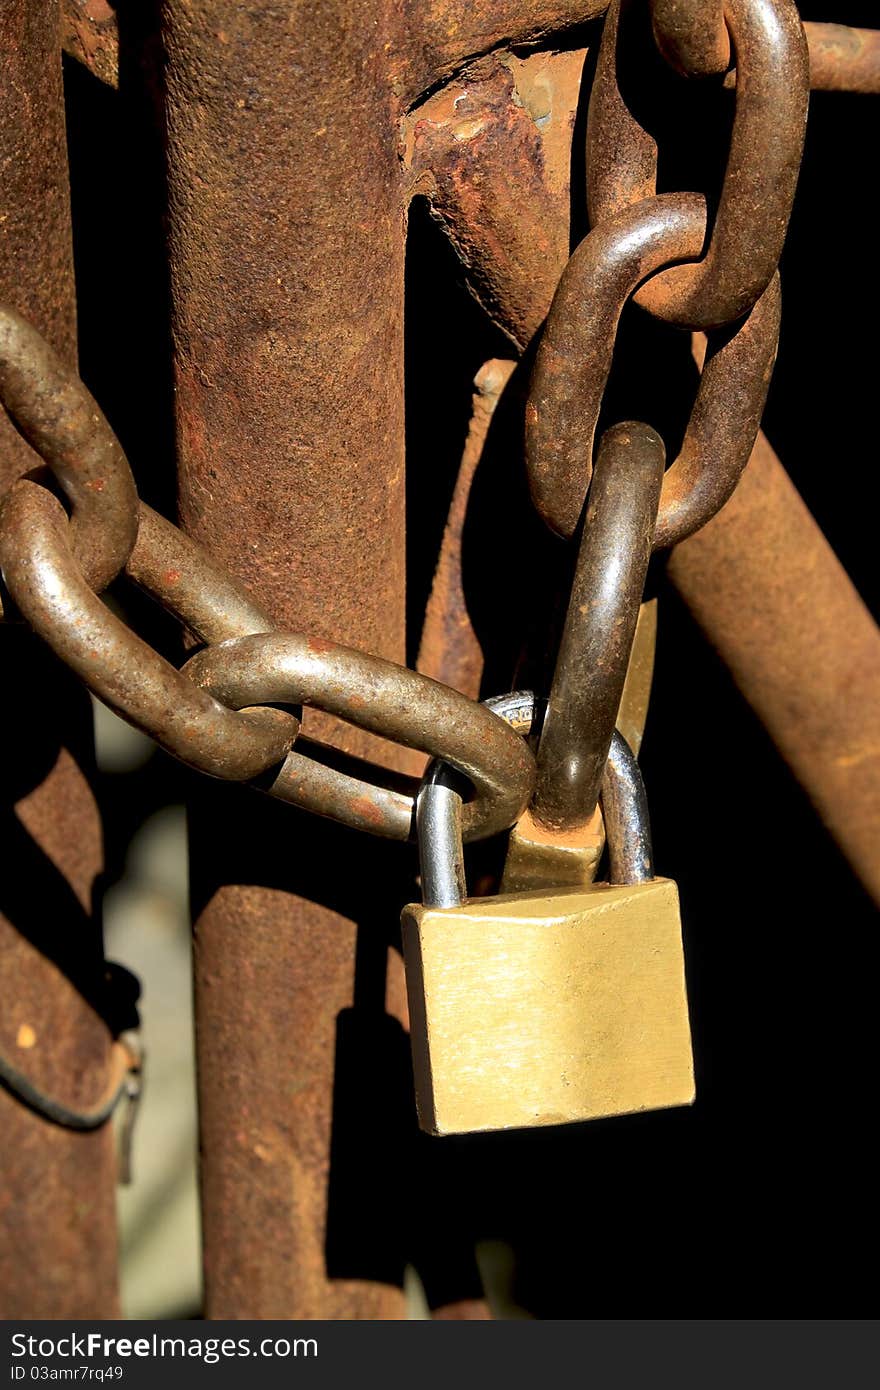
point(545, 1008)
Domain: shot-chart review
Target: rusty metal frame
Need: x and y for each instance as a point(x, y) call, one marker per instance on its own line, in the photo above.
point(288, 327)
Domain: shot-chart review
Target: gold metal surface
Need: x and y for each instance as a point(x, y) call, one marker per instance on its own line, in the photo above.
point(541, 1009)
point(639, 676)
point(541, 858)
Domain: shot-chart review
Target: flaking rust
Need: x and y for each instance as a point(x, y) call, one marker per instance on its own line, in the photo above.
point(504, 113)
point(89, 33)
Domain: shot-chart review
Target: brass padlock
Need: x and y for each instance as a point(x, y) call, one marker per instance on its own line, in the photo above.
point(546, 1007)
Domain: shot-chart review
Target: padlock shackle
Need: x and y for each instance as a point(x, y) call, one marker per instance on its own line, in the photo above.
point(439, 802)
point(627, 823)
point(441, 849)
point(438, 811)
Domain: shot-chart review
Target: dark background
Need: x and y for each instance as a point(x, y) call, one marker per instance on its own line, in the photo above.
point(758, 1201)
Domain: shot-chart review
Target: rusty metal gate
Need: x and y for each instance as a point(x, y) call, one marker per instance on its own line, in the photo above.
point(352, 285)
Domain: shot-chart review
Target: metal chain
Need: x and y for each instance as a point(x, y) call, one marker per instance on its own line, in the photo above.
point(638, 237)
point(439, 811)
point(42, 558)
point(600, 624)
point(574, 360)
point(214, 714)
point(732, 288)
point(766, 145)
point(65, 427)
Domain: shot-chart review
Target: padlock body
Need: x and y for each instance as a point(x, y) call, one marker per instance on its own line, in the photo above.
point(541, 1009)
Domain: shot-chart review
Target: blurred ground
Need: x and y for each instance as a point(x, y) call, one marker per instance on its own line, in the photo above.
point(146, 923)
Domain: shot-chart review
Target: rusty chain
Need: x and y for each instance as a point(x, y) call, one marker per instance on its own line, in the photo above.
point(234, 709)
point(574, 360)
point(46, 559)
point(638, 240)
point(600, 624)
point(728, 284)
point(215, 712)
point(766, 144)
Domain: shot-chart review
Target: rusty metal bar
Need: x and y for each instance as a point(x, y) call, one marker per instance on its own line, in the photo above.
point(775, 602)
point(288, 328)
point(843, 59)
point(288, 302)
point(449, 649)
point(90, 34)
point(58, 1255)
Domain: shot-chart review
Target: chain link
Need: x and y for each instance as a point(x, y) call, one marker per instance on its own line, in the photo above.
point(600, 624)
point(766, 145)
point(574, 360)
point(64, 426)
point(692, 36)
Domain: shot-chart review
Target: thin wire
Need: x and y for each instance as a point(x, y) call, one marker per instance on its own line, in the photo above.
point(24, 1090)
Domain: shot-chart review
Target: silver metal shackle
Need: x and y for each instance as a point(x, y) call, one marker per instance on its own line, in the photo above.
point(439, 802)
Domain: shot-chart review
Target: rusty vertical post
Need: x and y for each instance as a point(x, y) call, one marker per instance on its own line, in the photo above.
point(57, 1192)
point(287, 258)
